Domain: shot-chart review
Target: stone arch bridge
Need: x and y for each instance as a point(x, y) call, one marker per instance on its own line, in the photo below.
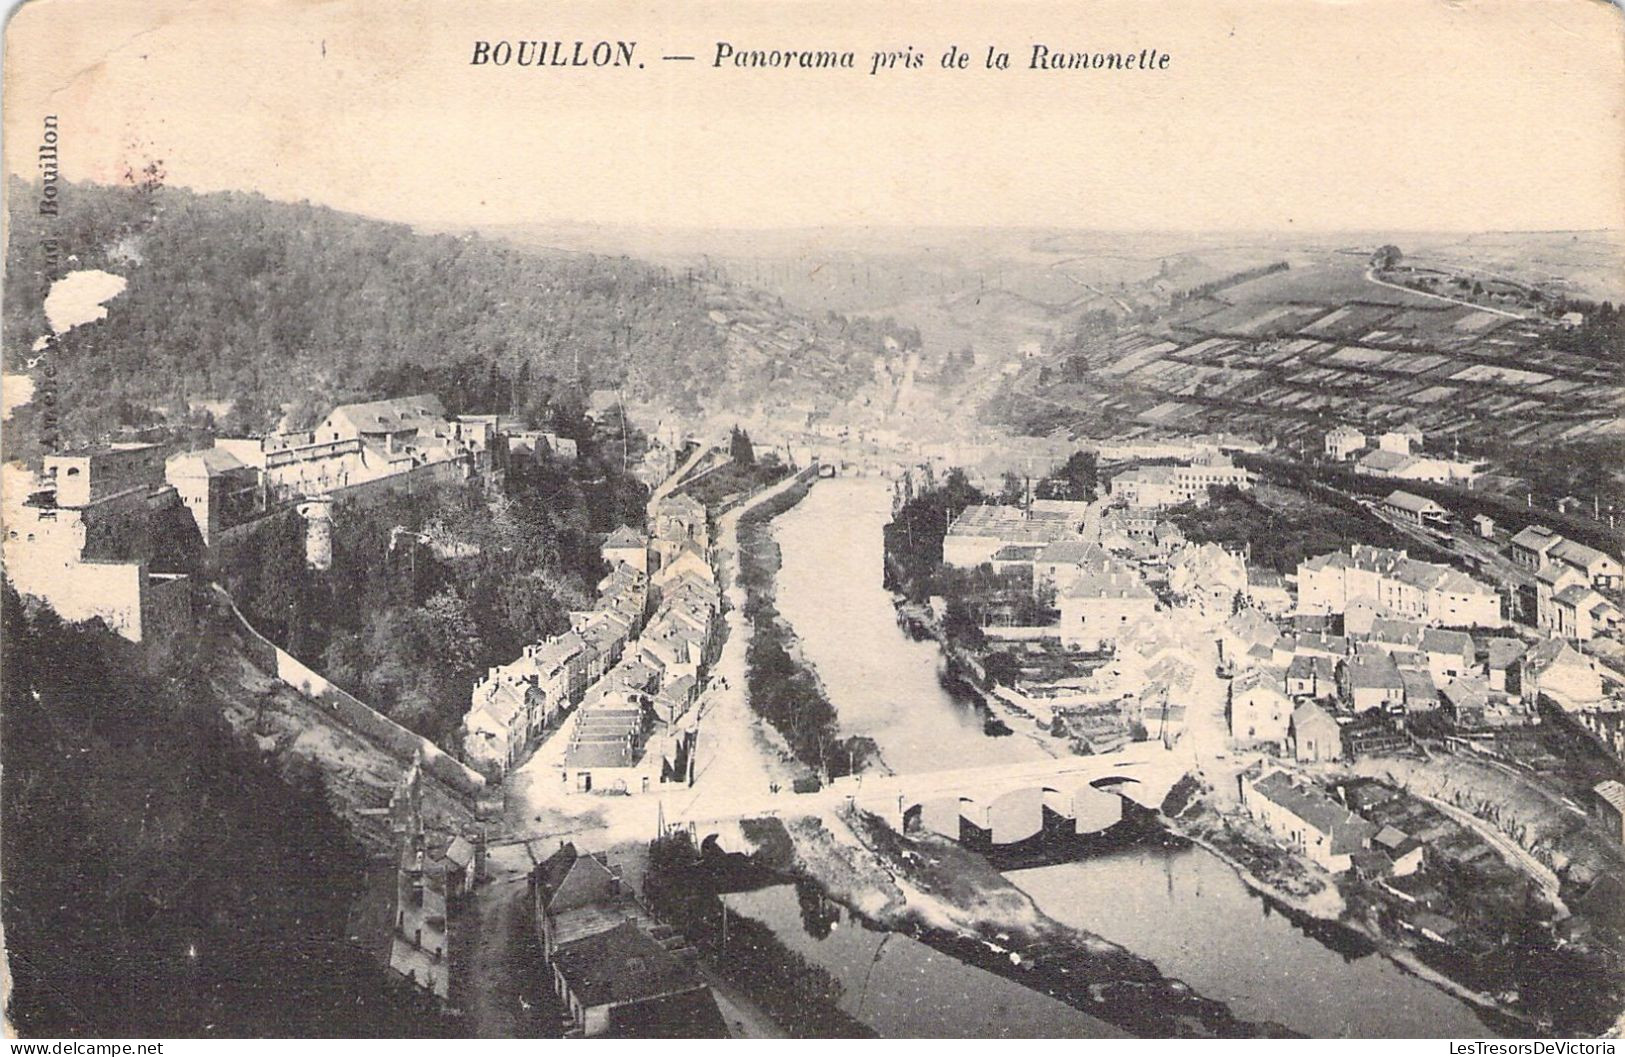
point(1004, 804)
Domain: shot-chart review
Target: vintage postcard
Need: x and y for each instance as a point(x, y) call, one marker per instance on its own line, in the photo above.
point(784, 519)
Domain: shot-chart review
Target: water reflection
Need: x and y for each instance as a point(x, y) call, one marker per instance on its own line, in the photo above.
point(1187, 911)
point(884, 684)
point(902, 988)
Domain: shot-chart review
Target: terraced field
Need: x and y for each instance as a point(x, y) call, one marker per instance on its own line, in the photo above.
point(1284, 354)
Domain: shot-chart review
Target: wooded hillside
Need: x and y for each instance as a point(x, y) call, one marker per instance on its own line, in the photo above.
point(233, 297)
point(159, 878)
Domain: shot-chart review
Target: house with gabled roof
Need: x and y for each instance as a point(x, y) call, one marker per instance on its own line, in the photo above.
point(1551, 580)
point(1502, 661)
point(1557, 671)
point(1260, 712)
point(1372, 681)
point(1599, 568)
point(390, 425)
point(1300, 815)
point(1421, 695)
point(1465, 702)
point(626, 546)
point(1245, 629)
point(1450, 654)
point(1313, 735)
point(1311, 675)
point(1102, 603)
point(1403, 851)
point(623, 983)
point(1608, 805)
point(1344, 442)
point(1580, 613)
point(496, 729)
point(1531, 545)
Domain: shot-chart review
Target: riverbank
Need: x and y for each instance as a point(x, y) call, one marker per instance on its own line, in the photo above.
point(958, 903)
point(1320, 909)
point(783, 686)
point(887, 685)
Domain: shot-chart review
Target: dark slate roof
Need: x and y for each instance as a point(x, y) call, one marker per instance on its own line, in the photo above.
point(1307, 665)
point(1440, 640)
point(624, 964)
point(1502, 652)
point(686, 1015)
point(1378, 671)
point(569, 879)
point(615, 753)
point(1348, 831)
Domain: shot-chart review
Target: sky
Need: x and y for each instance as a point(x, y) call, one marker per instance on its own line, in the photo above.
point(1272, 115)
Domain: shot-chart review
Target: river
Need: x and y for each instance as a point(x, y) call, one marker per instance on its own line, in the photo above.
point(904, 989)
point(1182, 908)
point(1187, 911)
point(883, 683)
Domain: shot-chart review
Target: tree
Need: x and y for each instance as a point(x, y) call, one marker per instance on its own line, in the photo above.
point(740, 448)
point(1076, 479)
point(1386, 258)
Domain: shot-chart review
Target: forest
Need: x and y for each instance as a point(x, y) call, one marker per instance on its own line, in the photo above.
point(160, 879)
point(428, 590)
point(235, 301)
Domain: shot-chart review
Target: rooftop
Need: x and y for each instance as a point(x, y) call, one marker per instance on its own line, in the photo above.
point(1376, 671)
point(622, 965)
point(1612, 792)
point(624, 537)
point(1536, 537)
point(1414, 503)
point(1111, 580)
point(1348, 831)
point(392, 416)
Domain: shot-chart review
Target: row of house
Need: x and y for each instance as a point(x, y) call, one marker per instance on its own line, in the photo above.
point(1321, 829)
point(1343, 442)
point(1569, 577)
point(517, 703)
point(435, 872)
point(635, 726)
point(1325, 830)
point(1394, 672)
point(1170, 485)
point(1395, 457)
point(1390, 582)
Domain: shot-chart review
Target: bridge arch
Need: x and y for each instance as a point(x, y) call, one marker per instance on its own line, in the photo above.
point(945, 815)
point(1018, 814)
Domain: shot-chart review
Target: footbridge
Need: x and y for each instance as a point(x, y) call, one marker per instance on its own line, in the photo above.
point(1004, 804)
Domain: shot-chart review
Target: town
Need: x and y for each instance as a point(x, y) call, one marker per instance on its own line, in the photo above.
point(1424, 748)
point(703, 551)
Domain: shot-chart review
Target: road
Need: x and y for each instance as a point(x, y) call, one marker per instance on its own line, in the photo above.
point(1509, 849)
point(506, 997)
point(1371, 277)
point(738, 754)
point(1152, 768)
point(677, 475)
